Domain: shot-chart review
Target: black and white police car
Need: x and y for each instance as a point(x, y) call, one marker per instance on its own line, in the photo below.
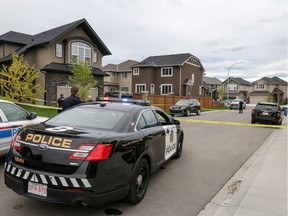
point(93, 154)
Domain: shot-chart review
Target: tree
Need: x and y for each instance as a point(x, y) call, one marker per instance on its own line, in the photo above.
point(82, 78)
point(18, 80)
point(221, 92)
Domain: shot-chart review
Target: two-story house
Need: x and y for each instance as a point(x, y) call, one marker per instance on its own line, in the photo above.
point(211, 87)
point(236, 87)
point(269, 89)
point(177, 74)
point(120, 78)
point(54, 51)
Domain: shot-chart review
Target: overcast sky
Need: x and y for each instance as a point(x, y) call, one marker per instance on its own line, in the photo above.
point(219, 32)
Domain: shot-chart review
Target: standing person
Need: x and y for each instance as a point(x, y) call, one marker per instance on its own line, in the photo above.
point(60, 102)
point(73, 99)
point(241, 106)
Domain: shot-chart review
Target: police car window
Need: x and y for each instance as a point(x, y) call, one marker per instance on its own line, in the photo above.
point(163, 118)
point(12, 112)
point(149, 118)
point(88, 117)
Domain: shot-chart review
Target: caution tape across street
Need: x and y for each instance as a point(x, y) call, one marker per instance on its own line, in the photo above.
point(231, 123)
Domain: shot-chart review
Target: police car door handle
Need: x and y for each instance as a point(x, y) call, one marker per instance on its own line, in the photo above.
point(167, 131)
point(149, 137)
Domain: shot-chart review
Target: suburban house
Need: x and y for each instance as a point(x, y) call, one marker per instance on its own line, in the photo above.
point(120, 78)
point(211, 87)
point(269, 89)
point(236, 88)
point(54, 51)
point(177, 74)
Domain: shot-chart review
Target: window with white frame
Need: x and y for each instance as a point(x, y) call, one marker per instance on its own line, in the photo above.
point(135, 71)
point(140, 87)
point(95, 56)
point(59, 50)
point(166, 89)
point(260, 86)
point(80, 51)
point(124, 75)
point(166, 71)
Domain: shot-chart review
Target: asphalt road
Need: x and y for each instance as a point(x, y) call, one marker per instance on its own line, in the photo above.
point(212, 154)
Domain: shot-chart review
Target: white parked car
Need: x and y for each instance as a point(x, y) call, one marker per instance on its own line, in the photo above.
point(13, 117)
point(235, 104)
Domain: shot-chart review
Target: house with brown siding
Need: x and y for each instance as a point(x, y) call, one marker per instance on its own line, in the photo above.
point(54, 51)
point(177, 74)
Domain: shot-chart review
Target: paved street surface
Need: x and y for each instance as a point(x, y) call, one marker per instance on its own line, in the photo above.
point(212, 154)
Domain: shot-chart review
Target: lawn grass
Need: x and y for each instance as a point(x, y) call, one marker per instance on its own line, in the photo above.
point(41, 111)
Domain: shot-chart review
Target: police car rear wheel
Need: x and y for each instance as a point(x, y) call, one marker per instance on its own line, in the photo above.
point(139, 182)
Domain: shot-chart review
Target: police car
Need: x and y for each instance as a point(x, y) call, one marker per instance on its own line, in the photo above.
point(12, 118)
point(93, 154)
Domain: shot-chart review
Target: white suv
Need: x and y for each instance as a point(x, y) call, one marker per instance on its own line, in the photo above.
point(235, 104)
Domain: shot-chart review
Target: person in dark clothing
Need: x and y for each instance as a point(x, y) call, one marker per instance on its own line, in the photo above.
point(60, 102)
point(73, 99)
point(241, 106)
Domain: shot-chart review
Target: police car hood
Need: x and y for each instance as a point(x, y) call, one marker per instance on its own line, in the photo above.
point(49, 147)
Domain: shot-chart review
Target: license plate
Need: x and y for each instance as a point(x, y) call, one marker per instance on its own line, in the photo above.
point(265, 113)
point(38, 189)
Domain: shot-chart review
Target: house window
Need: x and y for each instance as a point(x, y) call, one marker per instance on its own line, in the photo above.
point(140, 87)
point(113, 74)
point(260, 86)
point(167, 71)
point(124, 75)
point(80, 51)
point(125, 89)
point(135, 71)
point(59, 50)
point(166, 89)
point(95, 56)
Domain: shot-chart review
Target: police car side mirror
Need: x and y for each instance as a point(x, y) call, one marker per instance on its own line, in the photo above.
point(176, 122)
point(32, 115)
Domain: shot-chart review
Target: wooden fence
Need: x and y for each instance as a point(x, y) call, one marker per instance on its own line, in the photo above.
point(165, 102)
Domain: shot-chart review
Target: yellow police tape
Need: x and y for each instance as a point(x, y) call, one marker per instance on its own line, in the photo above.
point(39, 106)
point(231, 123)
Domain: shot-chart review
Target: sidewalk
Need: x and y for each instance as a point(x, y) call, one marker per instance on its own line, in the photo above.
point(259, 187)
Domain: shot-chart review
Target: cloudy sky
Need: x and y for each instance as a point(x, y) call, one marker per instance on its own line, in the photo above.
point(219, 32)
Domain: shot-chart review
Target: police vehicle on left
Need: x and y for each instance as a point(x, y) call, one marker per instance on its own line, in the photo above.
point(12, 118)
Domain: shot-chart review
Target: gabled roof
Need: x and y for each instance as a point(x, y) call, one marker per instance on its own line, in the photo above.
point(13, 37)
point(50, 36)
point(167, 60)
point(211, 81)
point(273, 80)
point(238, 80)
point(124, 66)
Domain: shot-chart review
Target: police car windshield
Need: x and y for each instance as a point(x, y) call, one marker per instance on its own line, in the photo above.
point(88, 117)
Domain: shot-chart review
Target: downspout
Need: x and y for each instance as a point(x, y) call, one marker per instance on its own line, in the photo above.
point(180, 93)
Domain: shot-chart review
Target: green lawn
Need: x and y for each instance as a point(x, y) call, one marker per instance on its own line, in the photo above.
point(41, 111)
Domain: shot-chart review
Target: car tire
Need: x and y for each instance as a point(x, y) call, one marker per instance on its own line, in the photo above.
point(252, 122)
point(198, 112)
point(171, 114)
point(187, 112)
point(139, 182)
point(179, 147)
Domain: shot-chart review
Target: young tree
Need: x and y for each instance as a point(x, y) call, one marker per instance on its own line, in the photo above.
point(221, 92)
point(82, 78)
point(18, 80)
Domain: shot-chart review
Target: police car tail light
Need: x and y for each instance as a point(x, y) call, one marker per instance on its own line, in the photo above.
point(92, 152)
point(16, 145)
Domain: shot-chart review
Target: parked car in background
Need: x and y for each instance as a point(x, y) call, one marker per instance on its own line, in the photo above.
point(235, 104)
point(185, 107)
point(268, 113)
point(119, 94)
point(12, 118)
